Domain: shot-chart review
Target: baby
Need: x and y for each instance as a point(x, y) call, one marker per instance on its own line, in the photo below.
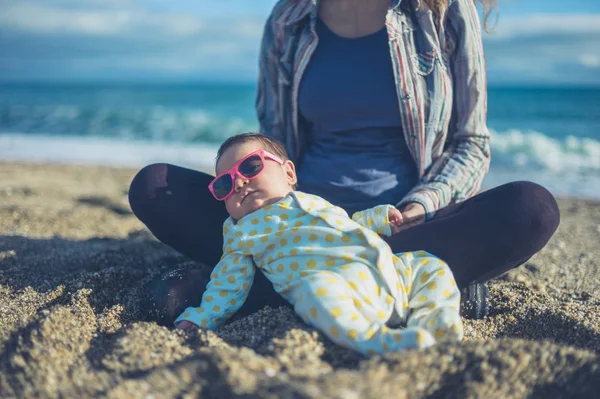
point(338, 273)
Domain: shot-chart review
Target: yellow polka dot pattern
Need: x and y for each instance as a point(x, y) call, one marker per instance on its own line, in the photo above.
point(375, 219)
point(432, 300)
point(304, 237)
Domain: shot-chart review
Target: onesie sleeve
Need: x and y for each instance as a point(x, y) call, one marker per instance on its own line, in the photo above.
point(225, 293)
point(375, 219)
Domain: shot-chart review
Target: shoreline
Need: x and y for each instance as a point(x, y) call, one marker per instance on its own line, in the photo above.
point(567, 165)
point(74, 261)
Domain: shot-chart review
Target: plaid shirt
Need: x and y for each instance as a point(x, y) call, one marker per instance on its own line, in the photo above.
point(439, 70)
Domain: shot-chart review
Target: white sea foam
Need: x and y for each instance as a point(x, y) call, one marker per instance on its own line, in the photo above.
point(568, 167)
point(535, 150)
point(103, 151)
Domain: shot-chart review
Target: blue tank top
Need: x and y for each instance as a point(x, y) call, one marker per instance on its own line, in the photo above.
point(356, 155)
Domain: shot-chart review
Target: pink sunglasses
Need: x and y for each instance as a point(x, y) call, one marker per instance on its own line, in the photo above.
point(249, 167)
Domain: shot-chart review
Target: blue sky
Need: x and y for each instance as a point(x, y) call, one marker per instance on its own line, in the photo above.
point(535, 41)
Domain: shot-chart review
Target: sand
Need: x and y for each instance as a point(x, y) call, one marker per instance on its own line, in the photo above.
point(74, 264)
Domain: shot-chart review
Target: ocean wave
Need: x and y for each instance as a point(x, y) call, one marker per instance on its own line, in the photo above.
point(511, 149)
point(157, 123)
point(566, 167)
point(534, 150)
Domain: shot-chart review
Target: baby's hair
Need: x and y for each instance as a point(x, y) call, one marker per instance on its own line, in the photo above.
point(266, 142)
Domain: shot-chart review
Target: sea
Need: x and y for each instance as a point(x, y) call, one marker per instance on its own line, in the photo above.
point(549, 135)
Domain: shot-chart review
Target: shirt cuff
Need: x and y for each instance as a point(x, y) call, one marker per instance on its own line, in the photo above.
point(191, 314)
point(381, 219)
point(375, 219)
point(432, 196)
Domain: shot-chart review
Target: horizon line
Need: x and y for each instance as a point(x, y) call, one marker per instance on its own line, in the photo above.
point(248, 82)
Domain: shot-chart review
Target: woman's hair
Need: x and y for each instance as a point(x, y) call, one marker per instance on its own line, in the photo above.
point(438, 6)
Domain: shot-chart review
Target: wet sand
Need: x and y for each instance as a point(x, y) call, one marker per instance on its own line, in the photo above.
point(74, 264)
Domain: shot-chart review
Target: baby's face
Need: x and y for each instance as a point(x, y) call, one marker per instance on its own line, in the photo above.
point(271, 185)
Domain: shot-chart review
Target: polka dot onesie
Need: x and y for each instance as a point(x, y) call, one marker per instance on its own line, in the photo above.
point(338, 273)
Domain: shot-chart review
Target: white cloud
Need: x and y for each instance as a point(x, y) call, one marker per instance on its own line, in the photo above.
point(590, 60)
point(35, 18)
point(97, 37)
point(545, 24)
point(545, 47)
point(73, 38)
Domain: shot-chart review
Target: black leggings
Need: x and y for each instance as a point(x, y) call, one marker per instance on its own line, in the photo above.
point(480, 238)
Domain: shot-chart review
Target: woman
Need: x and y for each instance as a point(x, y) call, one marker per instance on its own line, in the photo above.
point(377, 102)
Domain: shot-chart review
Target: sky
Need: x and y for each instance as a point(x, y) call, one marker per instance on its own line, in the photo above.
point(545, 42)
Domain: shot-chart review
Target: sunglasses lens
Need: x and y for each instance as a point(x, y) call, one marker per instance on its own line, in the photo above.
point(222, 186)
point(251, 166)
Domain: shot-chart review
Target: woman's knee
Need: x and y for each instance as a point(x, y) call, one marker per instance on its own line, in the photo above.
point(143, 187)
point(533, 207)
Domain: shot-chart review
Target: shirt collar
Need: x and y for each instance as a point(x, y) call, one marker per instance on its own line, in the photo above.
point(310, 7)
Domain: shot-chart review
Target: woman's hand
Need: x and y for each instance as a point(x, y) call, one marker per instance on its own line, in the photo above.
point(411, 215)
point(186, 325)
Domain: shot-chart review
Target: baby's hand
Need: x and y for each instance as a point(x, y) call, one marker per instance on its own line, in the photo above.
point(186, 325)
point(395, 218)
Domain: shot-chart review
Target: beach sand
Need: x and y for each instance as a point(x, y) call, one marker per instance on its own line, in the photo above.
point(74, 263)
